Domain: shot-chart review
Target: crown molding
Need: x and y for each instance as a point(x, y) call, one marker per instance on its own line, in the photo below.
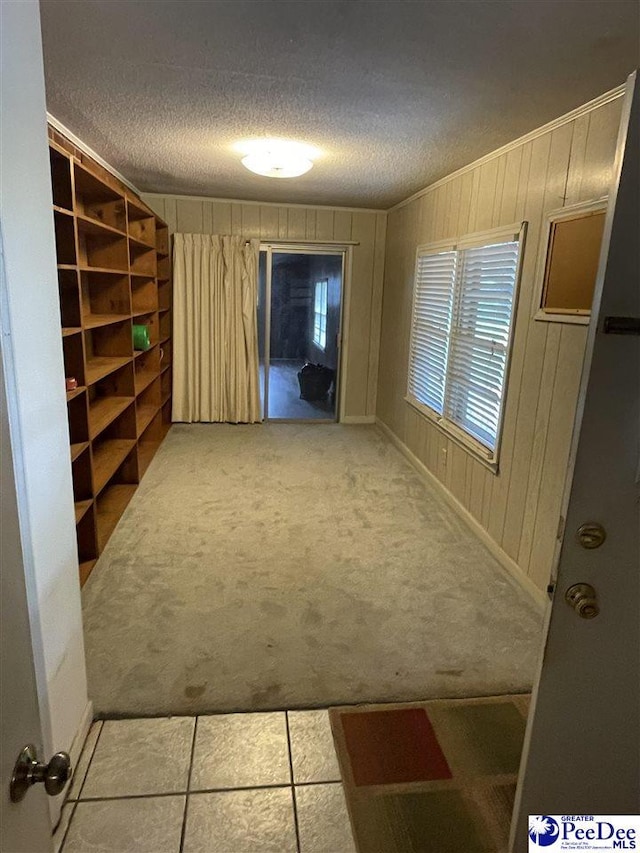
point(600, 101)
point(61, 128)
point(216, 199)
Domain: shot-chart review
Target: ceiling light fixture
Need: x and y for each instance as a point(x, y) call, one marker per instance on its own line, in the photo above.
point(277, 158)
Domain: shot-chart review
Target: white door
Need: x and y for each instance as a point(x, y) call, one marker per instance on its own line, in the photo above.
point(582, 749)
point(25, 826)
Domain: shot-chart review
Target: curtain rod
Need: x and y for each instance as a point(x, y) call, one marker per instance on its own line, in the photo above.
point(281, 241)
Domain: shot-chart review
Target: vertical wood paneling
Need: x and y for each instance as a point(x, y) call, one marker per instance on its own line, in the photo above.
point(578, 155)
point(159, 207)
point(473, 204)
point(170, 214)
point(376, 311)
point(310, 232)
point(250, 221)
point(500, 489)
point(363, 230)
point(342, 220)
point(519, 507)
point(297, 223)
point(466, 189)
point(221, 217)
point(601, 141)
point(269, 222)
point(324, 225)
point(283, 223)
point(458, 471)
point(554, 149)
point(486, 196)
point(561, 417)
point(508, 199)
point(189, 213)
point(236, 218)
point(497, 198)
point(207, 217)
point(538, 443)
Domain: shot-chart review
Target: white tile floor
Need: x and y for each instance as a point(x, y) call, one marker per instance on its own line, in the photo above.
point(230, 783)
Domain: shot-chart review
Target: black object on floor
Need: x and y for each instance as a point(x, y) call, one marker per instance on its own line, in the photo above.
point(315, 381)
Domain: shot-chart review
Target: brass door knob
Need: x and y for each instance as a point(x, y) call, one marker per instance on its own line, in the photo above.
point(29, 771)
point(582, 597)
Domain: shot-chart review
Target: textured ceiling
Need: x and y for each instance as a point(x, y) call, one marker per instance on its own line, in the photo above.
point(396, 94)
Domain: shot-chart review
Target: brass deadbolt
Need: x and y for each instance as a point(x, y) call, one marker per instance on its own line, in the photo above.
point(591, 535)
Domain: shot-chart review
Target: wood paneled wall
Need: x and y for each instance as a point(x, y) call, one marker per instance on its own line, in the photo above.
point(520, 507)
point(272, 222)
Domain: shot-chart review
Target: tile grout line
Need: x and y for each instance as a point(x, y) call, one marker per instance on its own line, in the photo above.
point(196, 791)
point(93, 753)
point(74, 806)
point(293, 786)
point(77, 800)
point(186, 798)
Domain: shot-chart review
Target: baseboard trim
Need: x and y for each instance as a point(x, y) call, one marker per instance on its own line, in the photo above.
point(511, 568)
point(80, 737)
point(56, 803)
point(358, 419)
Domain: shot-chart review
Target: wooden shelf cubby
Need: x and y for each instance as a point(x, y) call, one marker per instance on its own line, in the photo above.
point(113, 271)
point(109, 507)
point(164, 268)
point(97, 201)
point(149, 442)
point(164, 295)
point(69, 294)
point(101, 249)
point(65, 237)
point(60, 179)
point(162, 239)
point(144, 294)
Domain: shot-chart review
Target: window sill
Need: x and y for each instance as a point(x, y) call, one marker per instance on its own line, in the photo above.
point(457, 435)
point(575, 318)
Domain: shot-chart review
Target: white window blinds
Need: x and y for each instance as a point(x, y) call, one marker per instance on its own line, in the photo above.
point(433, 301)
point(462, 320)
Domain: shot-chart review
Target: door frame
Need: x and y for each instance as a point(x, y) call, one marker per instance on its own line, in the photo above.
point(310, 248)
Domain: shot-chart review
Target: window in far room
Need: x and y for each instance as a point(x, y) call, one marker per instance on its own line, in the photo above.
point(320, 314)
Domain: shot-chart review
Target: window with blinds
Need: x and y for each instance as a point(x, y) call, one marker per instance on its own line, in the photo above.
point(462, 320)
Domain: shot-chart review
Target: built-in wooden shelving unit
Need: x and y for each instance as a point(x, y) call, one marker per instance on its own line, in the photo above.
point(114, 270)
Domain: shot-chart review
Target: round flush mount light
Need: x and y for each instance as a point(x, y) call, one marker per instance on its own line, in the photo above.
point(277, 158)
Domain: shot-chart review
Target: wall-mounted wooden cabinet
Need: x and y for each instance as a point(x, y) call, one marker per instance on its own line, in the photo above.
point(114, 271)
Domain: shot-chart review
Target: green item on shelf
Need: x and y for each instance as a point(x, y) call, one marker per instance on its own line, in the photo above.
point(141, 337)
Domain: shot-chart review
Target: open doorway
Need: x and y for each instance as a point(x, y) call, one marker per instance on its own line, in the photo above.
point(299, 319)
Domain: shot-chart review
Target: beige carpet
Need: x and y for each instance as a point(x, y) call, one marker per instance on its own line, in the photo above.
point(284, 566)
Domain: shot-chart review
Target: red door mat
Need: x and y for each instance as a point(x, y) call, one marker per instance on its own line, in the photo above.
point(431, 777)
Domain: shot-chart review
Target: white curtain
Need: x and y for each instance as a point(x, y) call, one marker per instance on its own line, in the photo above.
point(215, 329)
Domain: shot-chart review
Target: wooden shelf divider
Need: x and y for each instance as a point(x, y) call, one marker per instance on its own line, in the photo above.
point(81, 507)
point(77, 448)
point(110, 506)
point(144, 415)
point(100, 366)
point(114, 268)
point(143, 380)
point(104, 411)
point(108, 455)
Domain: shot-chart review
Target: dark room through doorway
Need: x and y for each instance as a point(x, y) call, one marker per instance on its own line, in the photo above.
point(299, 319)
